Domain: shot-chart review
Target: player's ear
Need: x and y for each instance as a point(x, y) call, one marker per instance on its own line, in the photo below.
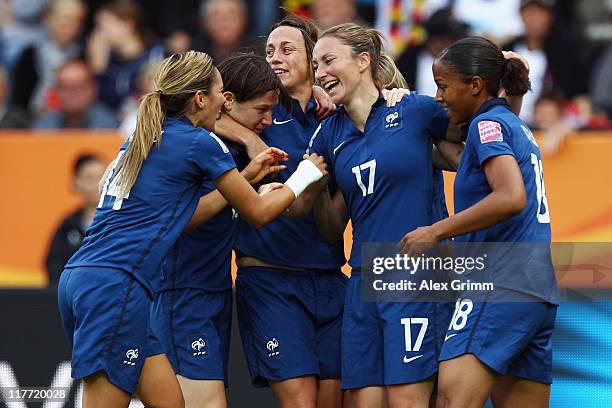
point(198, 100)
point(477, 85)
point(363, 60)
point(230, 98)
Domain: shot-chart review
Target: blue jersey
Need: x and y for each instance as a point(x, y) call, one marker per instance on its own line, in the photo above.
point(290, 242)
point(202, 258)
point(135, 233)
point(494, 131)
point(385, 173)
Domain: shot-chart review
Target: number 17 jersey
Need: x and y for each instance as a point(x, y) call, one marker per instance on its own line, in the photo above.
point(384, 173)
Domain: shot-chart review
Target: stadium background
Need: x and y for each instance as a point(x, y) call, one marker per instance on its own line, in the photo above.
point(35, 171)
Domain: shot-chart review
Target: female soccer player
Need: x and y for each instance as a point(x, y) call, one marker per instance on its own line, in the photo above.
point(289, 286)
point(146, 202)
point(494, 348)
point(381, 159)
point(192, 312)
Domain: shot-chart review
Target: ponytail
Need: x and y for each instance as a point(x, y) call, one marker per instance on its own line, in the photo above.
point(390, 76)
point(178, 78)
point(477, 56)
point(148, 131)
point(515, 77)
point(376, 56)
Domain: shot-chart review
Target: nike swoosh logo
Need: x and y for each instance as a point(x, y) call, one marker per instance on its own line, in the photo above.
point(337, 147)
point(276, 122)
point(407, 360)
point(449, 336)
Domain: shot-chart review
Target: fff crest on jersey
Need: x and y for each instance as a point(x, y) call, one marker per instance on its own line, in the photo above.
point(392, 120)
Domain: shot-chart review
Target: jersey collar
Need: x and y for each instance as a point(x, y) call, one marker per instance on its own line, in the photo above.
point(307, 118)
point(485, 107)
point(380, 101)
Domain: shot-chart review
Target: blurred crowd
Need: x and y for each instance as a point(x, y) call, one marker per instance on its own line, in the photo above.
point(84, 64)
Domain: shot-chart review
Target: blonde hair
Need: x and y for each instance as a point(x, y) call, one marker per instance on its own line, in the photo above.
point(361, 39)
point(390, 76)
point(178, 78)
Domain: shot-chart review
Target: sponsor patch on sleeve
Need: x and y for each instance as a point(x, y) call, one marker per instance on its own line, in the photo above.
point(490, 131)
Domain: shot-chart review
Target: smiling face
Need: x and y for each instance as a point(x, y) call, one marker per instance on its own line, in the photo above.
point(255, 113)
point(336, 70)
point(455, 93)
point(286, 54)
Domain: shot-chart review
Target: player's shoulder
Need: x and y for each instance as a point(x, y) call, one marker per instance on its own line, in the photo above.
point(329, 127)
point(497, 117)
point(416, 100)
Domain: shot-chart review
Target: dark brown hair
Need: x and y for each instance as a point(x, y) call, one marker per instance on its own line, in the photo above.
point(477, 56)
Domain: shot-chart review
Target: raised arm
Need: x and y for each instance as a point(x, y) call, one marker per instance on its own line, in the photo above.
point(506, 199)
point(234, 131)
point(259, 210)
point(212, 203)
point(331, 216)
point(447, 155)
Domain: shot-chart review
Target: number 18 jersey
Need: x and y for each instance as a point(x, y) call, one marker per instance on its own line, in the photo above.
point(527, 268)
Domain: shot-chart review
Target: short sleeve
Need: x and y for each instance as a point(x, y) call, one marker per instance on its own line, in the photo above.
point(438, 122)
point(211, 156)
point(318, 143)
point(489, 139)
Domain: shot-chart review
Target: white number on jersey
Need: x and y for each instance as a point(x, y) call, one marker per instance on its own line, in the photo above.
point(111, 188)
point(357, 171)
point(408, 322)
point(463, 307)
point(543, 218)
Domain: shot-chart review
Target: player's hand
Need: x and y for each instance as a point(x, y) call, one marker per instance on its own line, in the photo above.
point(266, 188)
point(325, 105)
point(393, 96)
point(318, 161)
point(265, 163)
point(417, 242)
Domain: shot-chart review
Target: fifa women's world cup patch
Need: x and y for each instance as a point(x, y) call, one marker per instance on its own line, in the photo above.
point(490, 131)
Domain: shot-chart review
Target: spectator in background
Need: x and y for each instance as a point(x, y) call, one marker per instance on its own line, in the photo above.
point(20, 26)
point(548, 118)
point(498, 20)
point(119, 45)
point(10, 118)
point(223, 25)
point(415, 63)
point(129, 110)
point(77, 89)
point(552, 52)
point(327, 13)
point(601, 76)
point(36, 67)
point(87, 172)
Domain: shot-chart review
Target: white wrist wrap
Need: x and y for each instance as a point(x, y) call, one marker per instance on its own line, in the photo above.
point(305, 174)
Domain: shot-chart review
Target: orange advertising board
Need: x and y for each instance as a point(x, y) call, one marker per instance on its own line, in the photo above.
point(36, 181)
